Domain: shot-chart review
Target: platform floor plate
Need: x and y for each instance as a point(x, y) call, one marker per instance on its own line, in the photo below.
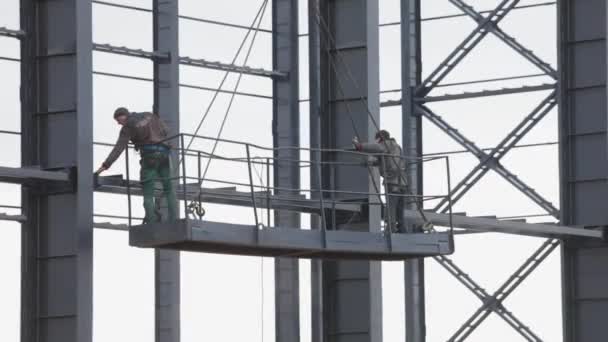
point(224, 238)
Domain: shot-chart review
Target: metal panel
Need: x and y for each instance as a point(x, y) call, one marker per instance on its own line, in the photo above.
point(584, 165)
point(166, 104)
point(57, 239)
point(415, 320)
point(286, 133)
point(344, 87)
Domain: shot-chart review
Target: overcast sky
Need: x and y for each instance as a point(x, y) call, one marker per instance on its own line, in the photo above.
point(220, 293)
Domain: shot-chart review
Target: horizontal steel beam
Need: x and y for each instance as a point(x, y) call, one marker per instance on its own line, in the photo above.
point(20, 175)
point(474, 94)
point(508, 227)
point(485, 93)
point(125, 51)
point(10, 217)
point(5, 32)
point(225, 238)
point(201, 63)
point(230, 67)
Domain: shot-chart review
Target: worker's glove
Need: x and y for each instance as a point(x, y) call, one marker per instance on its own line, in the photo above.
point(356, 143)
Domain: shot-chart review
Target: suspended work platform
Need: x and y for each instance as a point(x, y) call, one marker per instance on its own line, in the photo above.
point(225, 238)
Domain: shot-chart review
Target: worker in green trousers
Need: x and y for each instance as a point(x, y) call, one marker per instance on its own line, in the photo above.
point(148, 133)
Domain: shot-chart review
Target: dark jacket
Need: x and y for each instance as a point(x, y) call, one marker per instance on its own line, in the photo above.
point(390, 163)
point(140, 129)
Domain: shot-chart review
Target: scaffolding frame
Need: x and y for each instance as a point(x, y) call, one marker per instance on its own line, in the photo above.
point(487, 161)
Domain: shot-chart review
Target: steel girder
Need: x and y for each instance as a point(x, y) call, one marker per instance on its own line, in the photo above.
point(286, 133)
point(487, 161)
point(466, 46)
point(491, 160)
point(167, 270)
point(510, 41)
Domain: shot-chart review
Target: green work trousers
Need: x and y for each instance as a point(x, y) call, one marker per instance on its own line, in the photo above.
point(157, 167)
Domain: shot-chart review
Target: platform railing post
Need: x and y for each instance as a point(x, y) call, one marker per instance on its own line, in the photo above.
point(200, 177)
point(447, 166)
point(183, 153)
point(321, 202)
point(332, 186)
point(255, 209)
point(128, 186)
point(268, 191)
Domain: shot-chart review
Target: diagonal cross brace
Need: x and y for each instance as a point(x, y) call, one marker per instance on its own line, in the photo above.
point(494, 302)
point(481, 155)
point(490, 160)
point(485, 297)
point(463, 49)
point(510, 41)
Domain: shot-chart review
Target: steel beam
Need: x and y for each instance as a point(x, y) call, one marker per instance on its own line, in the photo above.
point(21, 175)
point(347, 79)
point(491, 160)
point(57, 127)
point(166, 103)
point(415, 311)
point(473, 94)
point(508, 227)
point(286, 133)
point(466, 46)
point(497, 167)
point(510, 41)
point(583, 122)
point(200, 63)
point(483, 295)
point(5, 32)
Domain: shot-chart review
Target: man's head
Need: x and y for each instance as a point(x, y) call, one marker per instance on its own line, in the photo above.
point(382, 135)
point(120, 115)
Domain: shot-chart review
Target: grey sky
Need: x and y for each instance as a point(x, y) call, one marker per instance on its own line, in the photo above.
point(222, 295)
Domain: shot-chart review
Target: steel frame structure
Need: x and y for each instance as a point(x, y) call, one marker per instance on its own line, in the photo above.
point(57, 248)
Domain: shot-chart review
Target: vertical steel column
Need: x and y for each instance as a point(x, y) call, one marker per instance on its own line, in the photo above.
point(415, 323)
point(57, 127)
point(584, 165)
point(315, 46)
point(166, 104)
point(286, 133)
point(346, 80)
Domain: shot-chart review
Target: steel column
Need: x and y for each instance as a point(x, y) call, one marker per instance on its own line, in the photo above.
point(286, 133)
point(316, 46)
point(166, 104)
point(348, 80)
point(583, 165)
point(415, 320)
point(57, 127)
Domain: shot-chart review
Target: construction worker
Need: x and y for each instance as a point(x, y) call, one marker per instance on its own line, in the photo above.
point(392, 169)
point(148, 133)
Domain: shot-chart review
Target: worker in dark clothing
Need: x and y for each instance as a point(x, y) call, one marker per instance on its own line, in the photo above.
point(392, 168)
point(148, 133)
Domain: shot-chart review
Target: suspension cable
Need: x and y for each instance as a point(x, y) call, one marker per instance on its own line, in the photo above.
point(325, 27)
point(258, 18)
point(227, 73)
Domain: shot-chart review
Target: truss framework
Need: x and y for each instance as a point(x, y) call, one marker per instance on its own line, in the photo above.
point(489, 24)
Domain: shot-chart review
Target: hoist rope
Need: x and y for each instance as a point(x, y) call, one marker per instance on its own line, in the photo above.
point(332, 42)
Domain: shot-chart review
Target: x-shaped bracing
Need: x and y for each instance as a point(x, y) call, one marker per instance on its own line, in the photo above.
point(485, 25)
point(491, 303)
